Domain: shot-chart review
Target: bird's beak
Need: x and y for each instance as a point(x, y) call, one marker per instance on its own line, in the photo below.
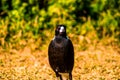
point(62, 29)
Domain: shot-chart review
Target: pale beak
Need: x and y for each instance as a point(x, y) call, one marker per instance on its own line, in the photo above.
point(62, 29)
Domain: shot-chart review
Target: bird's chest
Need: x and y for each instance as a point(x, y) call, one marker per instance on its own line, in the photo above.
point(59, 48)
point(59, 51)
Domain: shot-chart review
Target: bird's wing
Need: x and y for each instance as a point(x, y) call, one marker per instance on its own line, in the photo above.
point(50, 54)
point(70, 55)
point(50, 50)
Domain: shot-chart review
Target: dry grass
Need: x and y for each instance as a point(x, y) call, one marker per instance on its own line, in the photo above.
point(95, 63)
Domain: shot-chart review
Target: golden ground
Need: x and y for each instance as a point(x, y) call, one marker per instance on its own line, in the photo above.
point(95, 63)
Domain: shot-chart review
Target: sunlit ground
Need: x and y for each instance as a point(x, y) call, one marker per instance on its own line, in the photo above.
point(96, 63)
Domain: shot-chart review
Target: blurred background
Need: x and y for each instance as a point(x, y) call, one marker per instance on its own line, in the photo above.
point(27, 26)
point(26, 21)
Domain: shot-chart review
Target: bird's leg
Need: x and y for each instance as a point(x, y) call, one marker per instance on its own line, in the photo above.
point(70, 76)
point(58, 76)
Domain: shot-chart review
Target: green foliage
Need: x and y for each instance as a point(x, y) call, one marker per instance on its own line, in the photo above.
point(33, 19)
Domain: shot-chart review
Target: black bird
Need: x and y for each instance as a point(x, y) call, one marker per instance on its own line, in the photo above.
point(61, 53)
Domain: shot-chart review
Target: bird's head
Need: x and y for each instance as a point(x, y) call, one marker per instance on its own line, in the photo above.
point(60, 30)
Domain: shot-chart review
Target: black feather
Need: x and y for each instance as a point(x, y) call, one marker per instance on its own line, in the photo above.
point(61, 53)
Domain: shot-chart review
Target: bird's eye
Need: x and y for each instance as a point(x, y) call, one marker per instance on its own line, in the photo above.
point(58, 28)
